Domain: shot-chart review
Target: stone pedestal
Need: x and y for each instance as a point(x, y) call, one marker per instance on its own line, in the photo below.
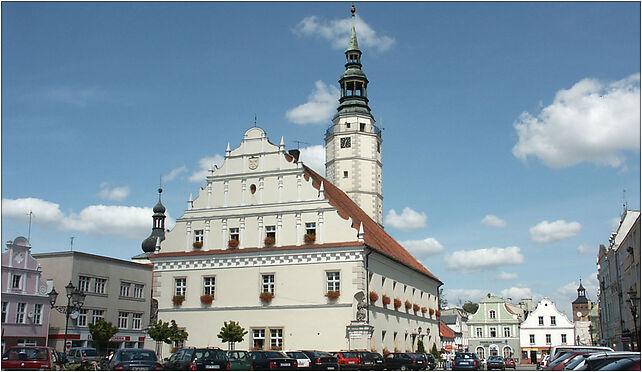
point(359, 335)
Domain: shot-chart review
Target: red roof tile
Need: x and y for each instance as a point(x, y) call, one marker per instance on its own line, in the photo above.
point(445, 331)
point(374, 235)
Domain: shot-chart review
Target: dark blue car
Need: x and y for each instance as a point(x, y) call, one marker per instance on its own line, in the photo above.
point(466, 361)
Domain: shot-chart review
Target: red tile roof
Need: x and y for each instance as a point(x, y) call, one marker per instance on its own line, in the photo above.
point(445, 331)
point(374, 235)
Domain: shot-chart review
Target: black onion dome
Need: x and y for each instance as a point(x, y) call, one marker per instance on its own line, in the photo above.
point(149, 244)
point(159, 207)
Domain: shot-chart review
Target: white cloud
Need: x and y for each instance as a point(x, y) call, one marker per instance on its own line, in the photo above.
point(590, 122)
point(486, 258)
point(314, 157)
point(517, 293)
point(507, 276)
point(494, 221)
point(116, 193)
point(546, 232)
point(458, 297)
point(587, 250)
point(130, 222)
point(569, 290)
point(319, 108)
point(174, 173)
point(423, 248)
point(408, 220)
point(204, 166)
point(338, 31)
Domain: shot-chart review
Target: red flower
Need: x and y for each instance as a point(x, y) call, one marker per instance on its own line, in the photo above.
point(266, 296)
point(408, 305)
point(385, 300)
point(333, 295)
point(207, 299)
point(233, 243)
point(424, 309)
point(415, 307)
point(373, 296)
point(397, 303)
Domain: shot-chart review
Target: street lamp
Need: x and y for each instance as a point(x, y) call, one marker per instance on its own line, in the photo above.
point(633, 302)
point(75, 299)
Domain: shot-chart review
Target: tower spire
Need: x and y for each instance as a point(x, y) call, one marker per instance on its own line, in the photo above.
point(158, 227)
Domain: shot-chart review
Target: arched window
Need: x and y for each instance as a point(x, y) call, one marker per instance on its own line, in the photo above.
point(491, 314)
point(480, 352)
point(508, 352)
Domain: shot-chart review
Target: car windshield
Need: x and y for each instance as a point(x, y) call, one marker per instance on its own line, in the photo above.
point(89, 353)
point(210, 354)
point(25, 354)
point(464, 356)
point(495, 357)
point(575, 361)
point(349, 355)
point(321, 354)
point(274, 354)
point(296, 354)
point(129, 355)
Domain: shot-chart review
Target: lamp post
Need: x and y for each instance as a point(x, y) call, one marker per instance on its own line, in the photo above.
point(75, 300)
point(633, 303)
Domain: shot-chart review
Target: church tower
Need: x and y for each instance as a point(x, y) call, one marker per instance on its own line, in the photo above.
point(353, 142)
point(581, 305)
point(150, 244)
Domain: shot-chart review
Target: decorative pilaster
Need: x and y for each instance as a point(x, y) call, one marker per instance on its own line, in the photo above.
point(242, 232)
point(243, 188)
point(226, 188)
point(261, 180)
point(209, 194)
point(298, 187)
point(224, 233)
point(280, 189)
point(206, 238)
point(260, 223)
point(298, 229)
point(319, 237)
point(188, 236)
point(279, 225)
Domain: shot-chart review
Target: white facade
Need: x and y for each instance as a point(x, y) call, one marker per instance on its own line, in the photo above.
point(545, 327)
point(262, 192)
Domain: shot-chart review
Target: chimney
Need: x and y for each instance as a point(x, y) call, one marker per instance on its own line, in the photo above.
point(295, 154)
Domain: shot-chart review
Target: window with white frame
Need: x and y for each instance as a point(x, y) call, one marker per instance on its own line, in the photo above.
point(532, 339)
point(124, 289)
point(311, 228)
point(553, 321)
point(5, 305)
point(333, 280)
point(137, 320)
point(20, 313)
point(180, 286)
point(258, 339)
point(270, 232)
point(16, 281)
point(209, 285)
point(268, 283)
point(99, 285)
point(540, 320)
point(491, 314)
point(81, 321)
point(234, 234)
point(198, 236)
point(480, 352)
point(97, 315)
point(83, 283)
point(276, 339)
point(479, 332)
point(37, 314)
point(493, 332)
point(122, 319)
point(506, 331)
point(138, 290)
point(564, 339)
point(26, 342)
point(548, 339)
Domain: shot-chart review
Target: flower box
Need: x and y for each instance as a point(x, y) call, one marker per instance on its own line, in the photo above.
point(424, 309)
point(438, 312)
point(207, 299)
point(233, 243)
point(269, 241)
point(432, 312)
point(415, 307)
point(276, 348)
point(333, 295)
point(197, 245)
point(266, 296)
point(373, 297)
point(178, 300)
point(309, 238)
point(408, 305)
point(386, 352)
point(386, 300)
point(397, 303)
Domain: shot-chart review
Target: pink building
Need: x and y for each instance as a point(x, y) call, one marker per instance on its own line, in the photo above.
point(25, 303)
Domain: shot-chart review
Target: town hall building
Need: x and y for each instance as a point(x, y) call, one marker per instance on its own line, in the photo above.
point(300, 260)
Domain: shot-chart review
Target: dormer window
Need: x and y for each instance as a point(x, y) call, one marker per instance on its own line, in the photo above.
point(491, 314)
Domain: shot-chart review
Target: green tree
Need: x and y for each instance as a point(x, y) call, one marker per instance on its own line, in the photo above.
point(435, 353)
point(167, 332)
point(231, 333)
point(420, 347)
point(470, 307)
point(101, 332)
point(176, 334)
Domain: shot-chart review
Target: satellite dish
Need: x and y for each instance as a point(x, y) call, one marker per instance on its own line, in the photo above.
point(74, 315)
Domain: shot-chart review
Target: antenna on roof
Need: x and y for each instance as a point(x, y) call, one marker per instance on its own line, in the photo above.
point(71, 248)
point(298, 144)
point(625, 204)
point(255, 120)
point(29, 234)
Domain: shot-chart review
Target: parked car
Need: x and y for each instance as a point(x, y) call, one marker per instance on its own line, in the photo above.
point(626, 364)
point(347, 360)
point(366, 360)
point(466, 361)
point(418, 359)
point(320, 360)
point(302, 360)
point(542, 363)
point(564, 359)
point(192, 358)
point(378, 361)
point(399, 361)
point(495, 362)
point(30, 357)
point(556, 351)
point(239, 360)
point(510, 363)
point(601, 359)
point(266, 360)
point(130, 359)
point(431, 363)
point(83, 355)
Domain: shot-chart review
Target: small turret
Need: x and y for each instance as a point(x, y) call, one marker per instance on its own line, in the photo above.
point(158, 227)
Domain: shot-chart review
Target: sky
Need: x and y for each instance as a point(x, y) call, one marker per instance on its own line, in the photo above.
point(511, 130)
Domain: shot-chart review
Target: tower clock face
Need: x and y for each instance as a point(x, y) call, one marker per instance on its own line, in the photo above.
point(345, 142)
point(579, 314)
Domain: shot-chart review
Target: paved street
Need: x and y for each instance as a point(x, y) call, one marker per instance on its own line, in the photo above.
point(521, 367)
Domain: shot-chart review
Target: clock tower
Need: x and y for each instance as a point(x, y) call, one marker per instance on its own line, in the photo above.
point(581, 305)
point(353, 141)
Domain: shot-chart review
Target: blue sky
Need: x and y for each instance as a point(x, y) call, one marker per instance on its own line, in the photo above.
point(510, 129)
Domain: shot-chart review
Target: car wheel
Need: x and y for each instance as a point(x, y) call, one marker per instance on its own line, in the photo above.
point(403, 368)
